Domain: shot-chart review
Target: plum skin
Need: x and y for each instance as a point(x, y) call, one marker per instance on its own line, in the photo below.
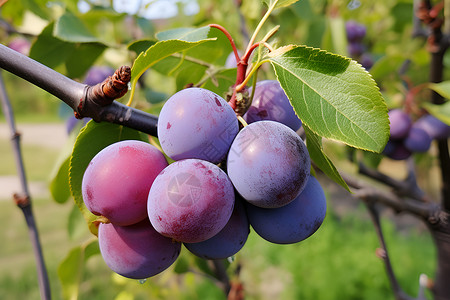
point(197, 123)
point(190, 201)
point(294, 222)
point(117, 180)
point(136, 251)
point(271, 103)
point(268, 164)
point(229, 240)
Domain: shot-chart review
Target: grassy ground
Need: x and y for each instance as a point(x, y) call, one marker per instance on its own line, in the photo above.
point(38, 160)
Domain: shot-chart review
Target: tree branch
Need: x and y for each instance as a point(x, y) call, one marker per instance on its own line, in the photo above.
point(384, 255)
point(436, 75)
point(23, 200)
point(430, 212)
point(405, 188)
point(77, 95)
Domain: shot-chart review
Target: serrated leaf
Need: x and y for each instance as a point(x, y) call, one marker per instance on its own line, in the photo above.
point(70, 28)
point(59, 185)
point(59, 177)
point(140, 45)
point(279, 3)
point(318, 156)
point(442, 88)
point(93, 138)
point(333, 96)
point(442, 111)
point(71, 269)
point(156, 53)
point(186, 34)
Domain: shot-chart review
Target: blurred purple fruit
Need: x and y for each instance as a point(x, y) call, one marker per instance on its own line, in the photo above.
point(231, 60)
point(435, 128)
point(355, 31)
point(355, 49)
point(366, 61)
point(97, 74)
point(400, 124)
point(418, 140)
point(72, 122)
point(21, 45)
point(396, 150)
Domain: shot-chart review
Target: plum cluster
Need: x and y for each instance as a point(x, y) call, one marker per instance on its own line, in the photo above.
point(356, 33)
point(408, 136)
point(222, 180)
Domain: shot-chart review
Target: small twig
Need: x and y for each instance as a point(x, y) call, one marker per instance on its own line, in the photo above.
point(430, 212)
point(384, 255)
point(220, 272)
point(23, 200)
point(407, 188)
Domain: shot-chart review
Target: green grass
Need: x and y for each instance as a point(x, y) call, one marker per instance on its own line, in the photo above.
point(39, 161)
point(338, 262)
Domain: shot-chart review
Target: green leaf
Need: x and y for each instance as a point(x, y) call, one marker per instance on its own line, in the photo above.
point(221, 82)
point(442, 111)
point(71, 269)
point(279, 3)
point(182, 265)
point(39, 8)
point(442, 88)
point(59, 185)
point(338, 35)
point(49, 50)
point(59, 182)
point(388, 64)
point(140, 45)
point(216, 52)
point(70, 28)
point(93, 138)
point(82, 58)
point(184, 34)
point(318, 156)
point(333, 96)
point(303, 10)
point(76, 224)
point(156, 53)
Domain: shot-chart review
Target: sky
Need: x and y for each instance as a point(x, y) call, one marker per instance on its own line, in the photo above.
point(151, 9)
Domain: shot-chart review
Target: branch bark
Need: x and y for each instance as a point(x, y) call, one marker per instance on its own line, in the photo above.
point(77, 95)
point(384, 254)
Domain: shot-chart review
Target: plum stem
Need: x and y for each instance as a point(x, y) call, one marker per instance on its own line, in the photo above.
point(230, 38)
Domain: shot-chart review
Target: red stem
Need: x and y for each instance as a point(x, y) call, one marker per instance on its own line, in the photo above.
point(228, 35)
